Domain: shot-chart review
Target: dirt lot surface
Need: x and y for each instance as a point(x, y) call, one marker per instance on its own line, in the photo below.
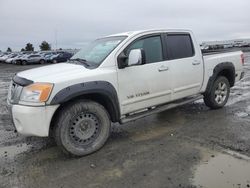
point(190, 146)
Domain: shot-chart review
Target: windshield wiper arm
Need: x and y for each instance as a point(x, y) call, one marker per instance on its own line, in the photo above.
point(83, 61)
point(78, 59)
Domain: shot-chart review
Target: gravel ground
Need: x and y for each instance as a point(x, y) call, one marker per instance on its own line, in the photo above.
point(190, 146)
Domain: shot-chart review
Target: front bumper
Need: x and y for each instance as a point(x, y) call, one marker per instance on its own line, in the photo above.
point(32, 121)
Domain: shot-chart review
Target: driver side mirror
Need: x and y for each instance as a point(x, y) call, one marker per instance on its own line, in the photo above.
point(135, 57)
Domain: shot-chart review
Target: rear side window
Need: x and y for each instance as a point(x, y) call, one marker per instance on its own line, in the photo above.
point(179, 46)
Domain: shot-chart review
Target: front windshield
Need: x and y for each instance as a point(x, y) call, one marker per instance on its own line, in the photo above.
point(95, 52)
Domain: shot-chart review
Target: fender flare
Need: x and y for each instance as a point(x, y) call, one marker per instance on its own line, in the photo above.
point(103, 88)
point(217, 70)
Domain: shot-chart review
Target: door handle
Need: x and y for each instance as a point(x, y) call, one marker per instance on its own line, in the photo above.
point(196, 62)
point(163, 68)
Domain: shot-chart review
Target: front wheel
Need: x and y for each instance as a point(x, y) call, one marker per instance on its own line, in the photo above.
point(41, 61)
point(219, 93)
point(82, 127)
point(18, 62)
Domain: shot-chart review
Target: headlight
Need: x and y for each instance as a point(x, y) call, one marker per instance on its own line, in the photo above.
point(37, 92)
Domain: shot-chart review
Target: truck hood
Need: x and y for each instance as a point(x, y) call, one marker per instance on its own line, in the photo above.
point(54, 73)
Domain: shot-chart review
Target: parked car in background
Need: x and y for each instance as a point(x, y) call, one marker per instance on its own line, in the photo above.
point(60, 57)
point(14, 59)
point(22, 56)
point(4, 57)
point(32, 59)
point(11, 58)
point(2, 54)
point(48, 56)
point(18, 60)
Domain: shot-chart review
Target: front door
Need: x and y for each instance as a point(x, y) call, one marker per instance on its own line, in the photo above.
point(145, 85)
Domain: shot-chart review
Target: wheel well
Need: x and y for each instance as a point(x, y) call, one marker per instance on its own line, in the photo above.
point(229, 74)
point(225, 69)
point(105, 102)
point(99, 98)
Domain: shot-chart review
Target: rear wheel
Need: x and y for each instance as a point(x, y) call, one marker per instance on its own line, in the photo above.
point(54, 61)
point(82, 128)
point(218, 95)
point(24, 63)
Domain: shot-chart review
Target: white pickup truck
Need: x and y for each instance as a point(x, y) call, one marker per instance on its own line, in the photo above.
point(119, 78)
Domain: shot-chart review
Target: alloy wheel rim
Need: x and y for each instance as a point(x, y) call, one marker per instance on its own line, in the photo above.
point(221, 92)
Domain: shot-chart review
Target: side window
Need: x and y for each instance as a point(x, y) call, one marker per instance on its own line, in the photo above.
point(179, 46)
point(152, 47)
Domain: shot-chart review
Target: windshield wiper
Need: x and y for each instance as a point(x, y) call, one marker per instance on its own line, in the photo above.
point(83, 61)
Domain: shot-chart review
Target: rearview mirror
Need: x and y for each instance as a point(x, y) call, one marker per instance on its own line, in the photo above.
point(135, 57)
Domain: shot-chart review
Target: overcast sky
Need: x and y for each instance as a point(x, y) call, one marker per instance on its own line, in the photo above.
point(75, 22)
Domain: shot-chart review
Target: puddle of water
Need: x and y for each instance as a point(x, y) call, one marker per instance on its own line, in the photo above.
point(152, 134)
point(223, 171)
point(10, 152)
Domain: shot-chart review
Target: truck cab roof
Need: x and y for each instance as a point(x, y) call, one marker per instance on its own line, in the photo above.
point(134, 33)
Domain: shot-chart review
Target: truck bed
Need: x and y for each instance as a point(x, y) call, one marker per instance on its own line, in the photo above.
point(213, 52)
point(212, 59)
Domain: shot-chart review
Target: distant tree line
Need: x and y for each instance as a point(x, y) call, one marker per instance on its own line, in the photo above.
point(44, 46)
point(9, 49)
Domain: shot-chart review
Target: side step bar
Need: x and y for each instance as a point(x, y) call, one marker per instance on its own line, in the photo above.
point(160, 108)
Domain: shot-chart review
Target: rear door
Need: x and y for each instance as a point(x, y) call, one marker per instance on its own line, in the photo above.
point(32, 58)
point(59, 58)
point(145, 85)
point(186, 64)
point(67, 56)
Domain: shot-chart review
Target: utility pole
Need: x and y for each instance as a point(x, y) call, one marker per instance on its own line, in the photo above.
point(56, 38)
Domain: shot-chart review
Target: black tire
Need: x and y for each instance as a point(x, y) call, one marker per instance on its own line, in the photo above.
point(54, 61)
point(217, 97)
point(24, 62)
point(41, 61)
point(82, 127)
